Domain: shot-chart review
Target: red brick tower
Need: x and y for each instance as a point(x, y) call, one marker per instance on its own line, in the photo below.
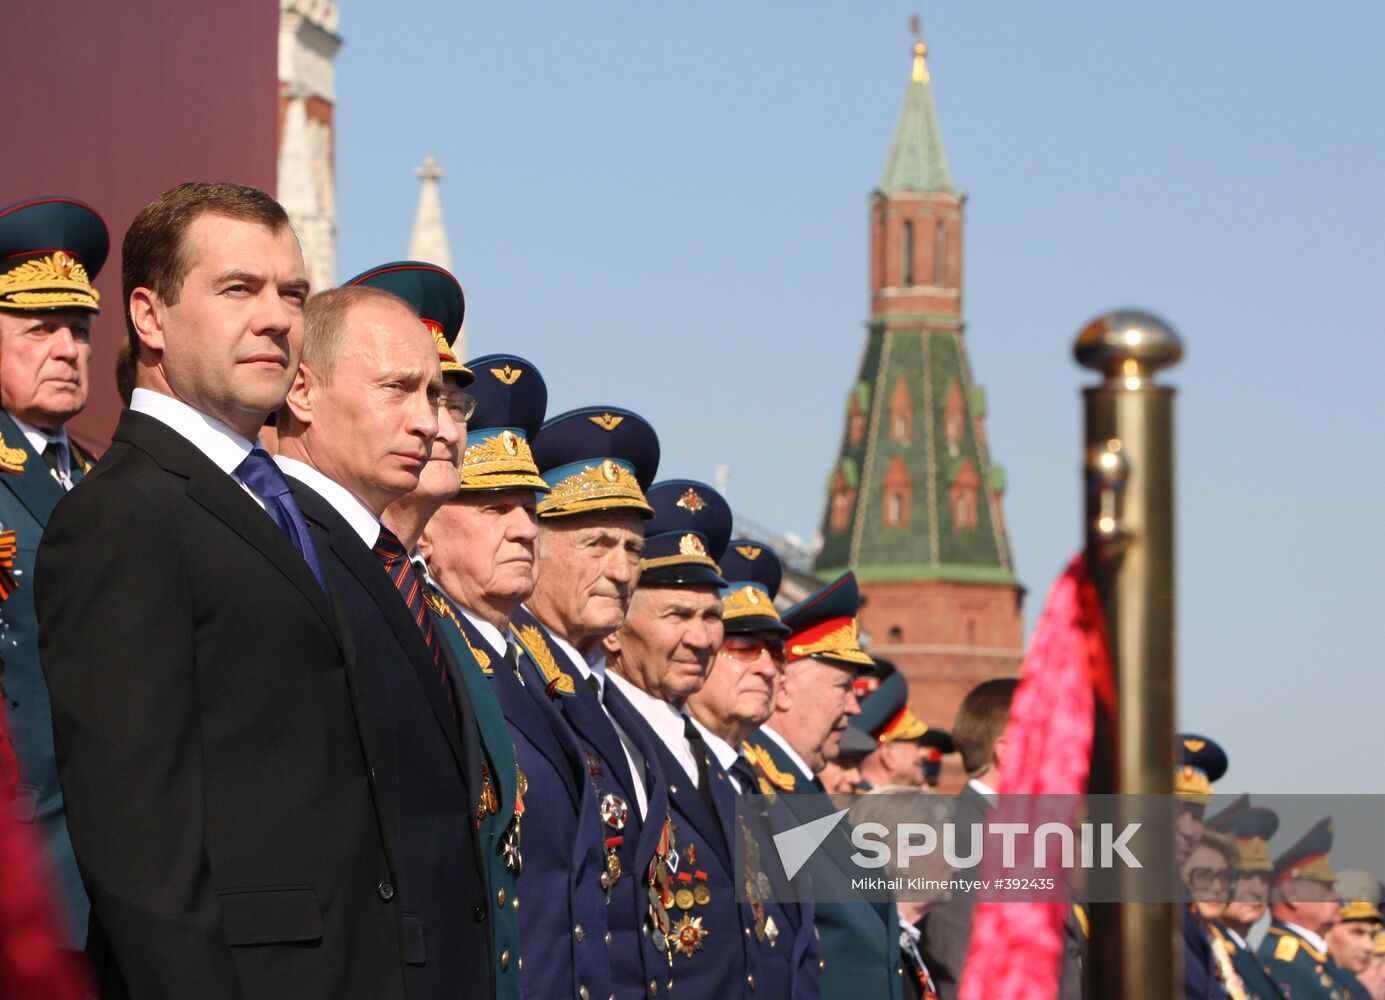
point(913, 503)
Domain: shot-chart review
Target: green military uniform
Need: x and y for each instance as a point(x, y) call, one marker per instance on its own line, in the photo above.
point(1298, 966)
point(50, 251)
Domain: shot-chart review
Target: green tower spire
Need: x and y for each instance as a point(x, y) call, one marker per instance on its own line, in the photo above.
point(917, 160)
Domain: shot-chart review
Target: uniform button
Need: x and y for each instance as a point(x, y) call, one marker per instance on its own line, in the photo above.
point(480, 914)
point(673, 789)
point(747, 932)
point(582, 993)
point(653, 988)
point(520, 963)
point(515, 902)
point(821, 965)
point(385, 890)
point(578, 933)
point(500, 895)
point(504, 959)
point(750, 979)
point(670, 984)
point(608, 939)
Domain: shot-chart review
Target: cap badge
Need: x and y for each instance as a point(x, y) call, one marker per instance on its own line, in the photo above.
point(606, 421)
point(609, 471)
point(691, 502)
point(1194, 745)
point(750, 552)
point(507, 374)
point(509, 440)
point(691, 545)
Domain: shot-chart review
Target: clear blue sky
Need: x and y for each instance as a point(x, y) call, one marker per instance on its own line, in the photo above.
point(664, 207)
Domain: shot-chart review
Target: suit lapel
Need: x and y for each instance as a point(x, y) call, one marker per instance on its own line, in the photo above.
point(26, 474)
point(349, 550)
point(224, 499)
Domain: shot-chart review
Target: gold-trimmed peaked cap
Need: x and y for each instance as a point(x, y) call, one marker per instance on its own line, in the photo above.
point(686, 536)
point(1252, 827)
point(1308, 858)
point(51, 250)
point(511, 397)
point(1361, 894)
point(596, 458)
point(437, 296)
point(823, 625)
point(885, 711)
point(1202, 761)
point(753, 574)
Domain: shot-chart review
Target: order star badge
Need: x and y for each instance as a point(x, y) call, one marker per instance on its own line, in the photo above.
point(687, 935)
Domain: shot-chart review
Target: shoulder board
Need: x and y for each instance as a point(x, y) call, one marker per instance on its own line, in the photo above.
point(443, 610)
point(1083, 921)
point(555, 680)
point(1287, 948)
point(770, 775)
point(12, 459)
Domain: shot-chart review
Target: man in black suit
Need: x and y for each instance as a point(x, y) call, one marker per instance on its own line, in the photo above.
point(355, 433)
point(220, 805)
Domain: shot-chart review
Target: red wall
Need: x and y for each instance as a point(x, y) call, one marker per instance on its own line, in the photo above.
point(115, 102)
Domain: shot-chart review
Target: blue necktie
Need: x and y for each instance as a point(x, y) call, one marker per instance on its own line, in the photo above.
point(259, 472)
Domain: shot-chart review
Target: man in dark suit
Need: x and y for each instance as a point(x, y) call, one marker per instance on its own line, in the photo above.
point(356, 432)
point(220, 805)
point(51, 249)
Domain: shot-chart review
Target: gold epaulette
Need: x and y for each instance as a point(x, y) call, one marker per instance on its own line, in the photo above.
point(1287, 948)
point(555, 680)
point(442, 609)
point(761, 759)
point(12, 459)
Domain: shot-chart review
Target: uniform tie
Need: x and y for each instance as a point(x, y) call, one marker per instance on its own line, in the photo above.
point(56, 457)
point(262, 476)
point(699, 751)
point(400, 569)
point(745, 776)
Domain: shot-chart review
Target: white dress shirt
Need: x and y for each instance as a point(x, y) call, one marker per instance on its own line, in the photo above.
point(783, 744)
point(499, 644)
point(667, 722)
point(724, 752)
point(984, 790)
point(338, 497)
point(40, 439)
point(225, 447)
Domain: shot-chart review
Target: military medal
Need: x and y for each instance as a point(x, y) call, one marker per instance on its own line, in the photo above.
point(684, 899)
point(489, 803)
point(701, 895)
point(771, 931)
point(690, 854)
point(687, 935)
point(614, 811)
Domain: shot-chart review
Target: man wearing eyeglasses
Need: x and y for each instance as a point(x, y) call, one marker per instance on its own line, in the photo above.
point(1251, 828)
point(735, 700)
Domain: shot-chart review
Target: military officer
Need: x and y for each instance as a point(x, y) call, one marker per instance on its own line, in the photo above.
point(51, 250)
point(859, 941)
point(1304, 904)
point(598, 462)
point(482, 553)
point(1203, 761)
point(437, 296)
point(842, 774)
point(1351, 940)
point(657, 659)
point(898, 761)
point(1251, 828)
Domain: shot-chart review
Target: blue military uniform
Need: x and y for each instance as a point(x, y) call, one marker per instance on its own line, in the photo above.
point(711, 933)
point(51, 249)
point(782, 917)
point(1298, 967)
point(438, 297)
point(602, 459)
point(1203, 762)
point(859, 942)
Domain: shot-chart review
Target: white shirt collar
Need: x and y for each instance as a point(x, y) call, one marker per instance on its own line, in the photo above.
point(724, 752)
point(338, 497)
point(1240, 941)
point(984, 790)
point(783, 744)
point(1316, 940)
point(225, 447)
point(40, 439)
point(498, 643)
point(668, 723)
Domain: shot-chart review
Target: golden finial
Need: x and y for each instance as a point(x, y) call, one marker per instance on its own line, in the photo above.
point(920, 50)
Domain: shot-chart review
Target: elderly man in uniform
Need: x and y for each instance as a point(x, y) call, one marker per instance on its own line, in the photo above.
point(897, 763)
point(482, 552)
point(1305, 905)
point(842, 774)
point(51, 249)
point(1251, 828)
point(657, 659)
point(1203, 762)
point(1351, 940)
point(598, 462)
point(736, 698)
point(859, 941)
